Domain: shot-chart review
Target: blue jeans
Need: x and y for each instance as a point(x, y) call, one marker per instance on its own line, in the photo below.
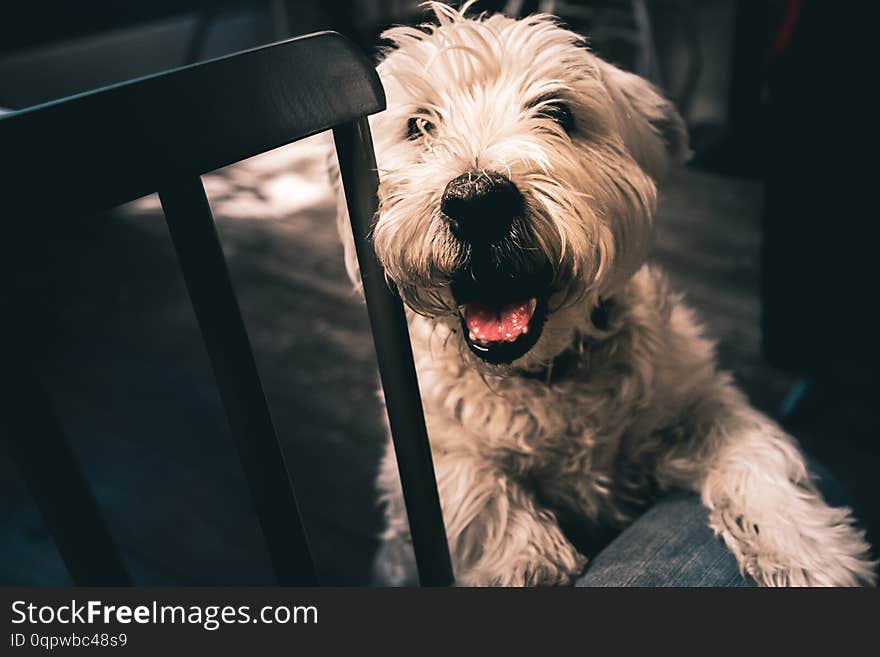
point(671, 545)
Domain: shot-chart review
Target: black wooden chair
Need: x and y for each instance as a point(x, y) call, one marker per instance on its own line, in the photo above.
point(161, 133)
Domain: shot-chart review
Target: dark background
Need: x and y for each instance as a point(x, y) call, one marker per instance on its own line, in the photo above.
point(767, 231)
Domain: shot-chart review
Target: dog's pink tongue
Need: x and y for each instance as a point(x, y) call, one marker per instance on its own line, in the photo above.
point(499, 325)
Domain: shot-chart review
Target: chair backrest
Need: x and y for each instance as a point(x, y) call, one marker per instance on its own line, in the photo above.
point(159, 134)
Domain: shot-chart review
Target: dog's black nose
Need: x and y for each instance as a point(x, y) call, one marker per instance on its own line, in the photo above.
point(481, 206)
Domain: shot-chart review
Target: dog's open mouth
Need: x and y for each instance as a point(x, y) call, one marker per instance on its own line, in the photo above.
point(501, 334)
point(499, 325)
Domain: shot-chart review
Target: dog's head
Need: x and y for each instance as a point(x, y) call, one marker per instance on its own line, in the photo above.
point(518, 177)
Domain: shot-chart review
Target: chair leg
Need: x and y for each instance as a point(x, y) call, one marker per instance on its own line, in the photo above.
point(357, 164)
point(213, 298)
point(50, 470)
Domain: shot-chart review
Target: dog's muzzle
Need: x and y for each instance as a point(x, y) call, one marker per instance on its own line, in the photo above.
point(503, 286)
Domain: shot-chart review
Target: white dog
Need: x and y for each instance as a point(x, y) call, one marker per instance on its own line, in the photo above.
point(518, 183)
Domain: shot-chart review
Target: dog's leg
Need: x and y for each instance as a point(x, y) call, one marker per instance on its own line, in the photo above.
point(761, 498)
point(498, 534)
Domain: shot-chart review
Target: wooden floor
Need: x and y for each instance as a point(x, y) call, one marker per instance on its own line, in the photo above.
point(131, 381)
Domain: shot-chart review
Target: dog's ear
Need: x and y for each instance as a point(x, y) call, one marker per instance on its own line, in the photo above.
point(652, 128)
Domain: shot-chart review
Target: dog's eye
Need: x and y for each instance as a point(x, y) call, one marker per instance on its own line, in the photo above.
point(559, 112)
point(417, 127)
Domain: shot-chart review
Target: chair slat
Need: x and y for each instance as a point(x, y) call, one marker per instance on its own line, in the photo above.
point(357, 164)
point(213, 298)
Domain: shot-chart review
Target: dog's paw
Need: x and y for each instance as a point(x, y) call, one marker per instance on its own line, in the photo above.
point(860, 573)
point(529, 571)
point(829, 551)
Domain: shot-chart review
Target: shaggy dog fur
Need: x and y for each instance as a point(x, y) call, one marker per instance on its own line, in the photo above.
point(619, 398)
